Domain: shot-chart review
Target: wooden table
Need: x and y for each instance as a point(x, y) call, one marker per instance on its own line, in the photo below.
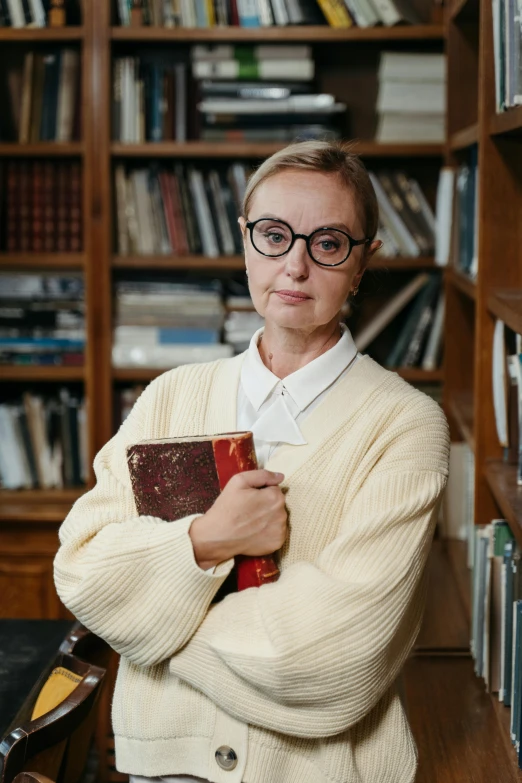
point(27, 651)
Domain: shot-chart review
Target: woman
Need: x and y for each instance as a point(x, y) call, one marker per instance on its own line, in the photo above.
point(293, 682)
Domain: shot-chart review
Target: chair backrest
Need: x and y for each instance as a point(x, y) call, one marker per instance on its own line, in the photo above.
point(45, 745)
point(85, 645)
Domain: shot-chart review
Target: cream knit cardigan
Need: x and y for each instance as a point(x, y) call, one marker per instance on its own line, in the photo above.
point(298, 677)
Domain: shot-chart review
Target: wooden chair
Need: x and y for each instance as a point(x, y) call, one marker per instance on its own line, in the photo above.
point(56, 743)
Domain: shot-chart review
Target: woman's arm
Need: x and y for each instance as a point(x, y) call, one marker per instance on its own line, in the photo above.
point(132, 580)
point(313, 653)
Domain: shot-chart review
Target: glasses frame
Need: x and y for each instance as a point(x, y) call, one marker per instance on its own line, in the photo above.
point(307, 238)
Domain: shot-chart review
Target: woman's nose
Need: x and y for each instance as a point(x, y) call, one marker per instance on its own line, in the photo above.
point(297, 259)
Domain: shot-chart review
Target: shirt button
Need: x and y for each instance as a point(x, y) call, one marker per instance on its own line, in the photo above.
point(226, 757)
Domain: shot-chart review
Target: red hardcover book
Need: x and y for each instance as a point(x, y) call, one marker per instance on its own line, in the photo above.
point(174, 477)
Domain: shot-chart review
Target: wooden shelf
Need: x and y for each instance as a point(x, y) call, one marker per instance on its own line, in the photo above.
point(44, 34)
point(204, 149)
point(225, 263)
point(502, 480)
point(464, 138)
point(464, 284)
point(42, 260)
point(40, 496)
point(417, 375)
point(457, 553)
point(507, 305)
point(318, 34)
point(462, 409)
point(509, 121)
point(31, 512)
point(44, 149)
point(49, 374)
point(464, 9)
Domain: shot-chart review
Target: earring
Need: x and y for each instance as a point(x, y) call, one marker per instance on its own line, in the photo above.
point(355, 291)
point(246, 272)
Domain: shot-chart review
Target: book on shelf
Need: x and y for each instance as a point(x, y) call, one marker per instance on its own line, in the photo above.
point(43, 441)
point(39, 13)
point(444, 214)
point(464, 227)
point(507, 53)
point(411, 98)
point(41, 209)
point(43, 92)
point(174, 477)
point(42, 319)
point(457, 504)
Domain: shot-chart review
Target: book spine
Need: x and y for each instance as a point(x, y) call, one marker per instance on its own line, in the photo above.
point(233, 457)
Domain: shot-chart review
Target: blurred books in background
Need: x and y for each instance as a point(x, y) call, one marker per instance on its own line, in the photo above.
point(42, 319)
point(507, 54)
point(411, 101)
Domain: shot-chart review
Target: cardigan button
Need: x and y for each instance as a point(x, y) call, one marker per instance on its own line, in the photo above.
point(226, 757)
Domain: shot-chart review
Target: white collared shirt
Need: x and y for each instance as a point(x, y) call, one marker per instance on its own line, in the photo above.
point(273, 408)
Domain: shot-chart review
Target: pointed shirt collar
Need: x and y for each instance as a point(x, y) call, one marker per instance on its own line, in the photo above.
point(305, 384)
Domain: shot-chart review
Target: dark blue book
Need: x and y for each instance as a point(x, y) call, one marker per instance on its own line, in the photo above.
point(194, 336)
point(517, 662)
point(50, 96)
point(507, 659)
point(156, 98)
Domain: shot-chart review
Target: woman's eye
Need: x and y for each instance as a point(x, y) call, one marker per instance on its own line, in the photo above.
point(276, 239)
point(327, 245)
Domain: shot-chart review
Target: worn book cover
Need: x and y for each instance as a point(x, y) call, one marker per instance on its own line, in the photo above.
point(174, 477)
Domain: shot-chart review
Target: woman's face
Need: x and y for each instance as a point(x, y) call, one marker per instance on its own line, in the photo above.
point(306, 200)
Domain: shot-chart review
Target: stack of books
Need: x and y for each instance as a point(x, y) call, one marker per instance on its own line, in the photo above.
point(262, 93)
point(149, 98)
point(179, 211)
point(42, 319)
point(166, 324)
point(406, 220)
point(240, 325)
point(43, 441)
point(411, 101)
point(44, 97)
point(39, 13)
point(42, 207)
point(507, 50)
point(265, 13)
point(415, 315)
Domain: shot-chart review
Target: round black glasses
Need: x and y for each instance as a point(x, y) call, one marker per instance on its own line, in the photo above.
point(326, 246)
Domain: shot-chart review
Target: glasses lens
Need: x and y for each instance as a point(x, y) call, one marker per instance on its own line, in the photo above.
point(329, 246)
point(271, 237)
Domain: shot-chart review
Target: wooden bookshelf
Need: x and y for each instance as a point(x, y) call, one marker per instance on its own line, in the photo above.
point(506, 122)
point(26, 261)
point(221, 263)
point(502, 480)
point(202, 149)
point(42, 35)
point(463, 283)
point(464, 9)
point(461, 407)
point(464, 138)
point(319, 34)
point(42, 149)
point(507, 305)
point(38, 374)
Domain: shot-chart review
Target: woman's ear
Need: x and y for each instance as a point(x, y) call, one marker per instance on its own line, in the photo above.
point(375, 245)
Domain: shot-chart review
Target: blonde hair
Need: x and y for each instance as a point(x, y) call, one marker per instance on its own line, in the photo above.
point(328, 157)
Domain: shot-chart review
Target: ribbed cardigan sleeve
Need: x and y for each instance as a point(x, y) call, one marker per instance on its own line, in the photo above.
point(312, 654)
point(131, 579)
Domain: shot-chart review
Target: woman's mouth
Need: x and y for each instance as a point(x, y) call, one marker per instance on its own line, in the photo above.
point(294, 297)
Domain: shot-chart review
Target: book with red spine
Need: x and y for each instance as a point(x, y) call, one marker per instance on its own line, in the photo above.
point(175, 477)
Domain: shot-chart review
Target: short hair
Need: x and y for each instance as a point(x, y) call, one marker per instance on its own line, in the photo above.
point(328, 157)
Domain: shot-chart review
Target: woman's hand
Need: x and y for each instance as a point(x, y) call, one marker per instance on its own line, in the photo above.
point(248, 518)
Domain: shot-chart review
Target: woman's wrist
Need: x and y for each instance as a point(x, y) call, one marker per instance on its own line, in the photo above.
point(207, 551)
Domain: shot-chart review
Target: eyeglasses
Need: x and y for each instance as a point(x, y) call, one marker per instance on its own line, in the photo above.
point(326, 246)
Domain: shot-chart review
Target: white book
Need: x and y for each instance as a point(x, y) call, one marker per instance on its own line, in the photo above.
point(429, 361)
point(407, 67)
point(219, 52)
point(495, 8)
point(392, 12)
point(266, 16)
point(16, 13)
point(124, 13)
point(389, 311)
point(393, 221)
point(298, 70)
point(188, 13)
point(165, 356)
point(14, 470)
point(248, 13)
point(37, 12)
point(321, 104)
point(414, 97)
point(454, 504)
point(366, 14)
point(501, 383)
point(280, 13)
point(67, 84)
point(408, 127)
point(146, 243)
point(203, 214)
point(444, 211)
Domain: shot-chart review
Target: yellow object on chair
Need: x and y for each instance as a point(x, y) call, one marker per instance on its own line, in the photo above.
point(58, 686)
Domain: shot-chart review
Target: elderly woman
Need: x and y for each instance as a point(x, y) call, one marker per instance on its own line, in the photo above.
point(295, 681)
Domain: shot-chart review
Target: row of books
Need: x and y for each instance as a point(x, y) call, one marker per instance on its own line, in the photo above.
point(178, 210)
point(183, 210)
point(507, 53)
point(39, 13)
point(41, 206)
point(43, 441)
point(419, 308)
point(496, 634)
point(44, 95)
point(42, 319)
point(265, 13)
point(411, 99)
point(507, 393)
